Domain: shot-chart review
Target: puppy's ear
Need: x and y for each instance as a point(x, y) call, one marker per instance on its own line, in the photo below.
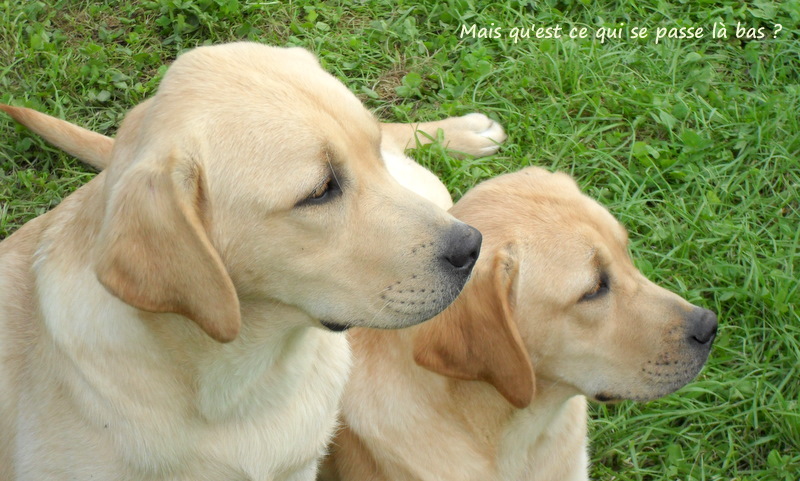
point(476, 338)
point(154, 253)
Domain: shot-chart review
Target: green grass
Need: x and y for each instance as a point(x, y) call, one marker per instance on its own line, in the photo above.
point(693, 144)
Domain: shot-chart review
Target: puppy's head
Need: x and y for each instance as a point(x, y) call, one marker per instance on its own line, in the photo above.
point(254, 176)
point(576, 310)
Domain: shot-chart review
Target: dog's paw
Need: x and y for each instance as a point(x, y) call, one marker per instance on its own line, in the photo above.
point(473, 134)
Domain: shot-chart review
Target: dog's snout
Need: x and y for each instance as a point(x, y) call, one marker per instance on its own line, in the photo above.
point(462, 246)
point(702, 327)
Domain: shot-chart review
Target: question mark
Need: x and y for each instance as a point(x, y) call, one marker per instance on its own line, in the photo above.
point(778, 28)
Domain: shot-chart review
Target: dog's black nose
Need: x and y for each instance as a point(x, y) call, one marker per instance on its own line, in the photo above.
point(702, 327)
point(462, 244)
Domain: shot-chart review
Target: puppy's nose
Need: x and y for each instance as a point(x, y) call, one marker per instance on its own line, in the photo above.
point(702, 327)
point(462, 244)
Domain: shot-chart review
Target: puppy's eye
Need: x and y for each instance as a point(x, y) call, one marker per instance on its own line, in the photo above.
point(599, 290)
point(322, 193)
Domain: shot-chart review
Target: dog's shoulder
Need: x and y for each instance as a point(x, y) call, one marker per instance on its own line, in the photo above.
point(17, 253)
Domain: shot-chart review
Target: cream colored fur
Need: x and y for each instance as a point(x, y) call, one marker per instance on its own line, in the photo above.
point(494, 387)
point(164, 321)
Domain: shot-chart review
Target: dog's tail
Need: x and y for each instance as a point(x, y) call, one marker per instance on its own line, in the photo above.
point(85, 145)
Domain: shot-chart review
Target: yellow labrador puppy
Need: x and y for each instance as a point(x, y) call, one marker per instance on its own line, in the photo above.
point(493, 388)
point(171, 320)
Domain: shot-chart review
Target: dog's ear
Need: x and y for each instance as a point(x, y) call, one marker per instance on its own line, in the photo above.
point(154, 251)
point(477, 339)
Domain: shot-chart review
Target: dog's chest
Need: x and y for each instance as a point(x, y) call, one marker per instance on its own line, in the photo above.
point(279, 445)
point(546, 442)
point(279, 425)
point(268, 418)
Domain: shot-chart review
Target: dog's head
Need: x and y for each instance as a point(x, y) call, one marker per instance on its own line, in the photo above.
point(556, 298)
point(254, 176)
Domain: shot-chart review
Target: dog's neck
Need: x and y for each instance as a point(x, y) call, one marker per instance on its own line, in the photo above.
point(548, 438)
point(545, 440)
point(276, 351)
point(499, 440)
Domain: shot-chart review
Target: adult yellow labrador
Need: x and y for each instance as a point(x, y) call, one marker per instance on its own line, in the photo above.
point(493, 388)
point(172, 318)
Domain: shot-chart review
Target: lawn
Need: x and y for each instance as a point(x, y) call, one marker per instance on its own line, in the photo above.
point(691, 138)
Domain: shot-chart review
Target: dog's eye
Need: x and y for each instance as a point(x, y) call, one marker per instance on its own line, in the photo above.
point(324, 192)
point(321, 191)
point(600, 289)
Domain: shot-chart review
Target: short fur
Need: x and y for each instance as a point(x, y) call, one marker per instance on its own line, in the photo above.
point(164, 321)
point(493, 388)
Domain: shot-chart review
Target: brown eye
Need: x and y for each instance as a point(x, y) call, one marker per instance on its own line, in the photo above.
point(324, 192)
point(321, 190)
point(599, 289)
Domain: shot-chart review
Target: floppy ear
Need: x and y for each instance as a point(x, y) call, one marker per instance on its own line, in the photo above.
point(154, 253)
point(476, 338)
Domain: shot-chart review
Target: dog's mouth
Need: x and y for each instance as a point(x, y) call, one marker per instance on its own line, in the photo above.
point(332, 326)
point(607, 398)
